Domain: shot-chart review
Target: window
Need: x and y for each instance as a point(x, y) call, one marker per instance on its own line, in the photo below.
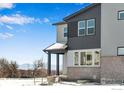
point(86, 29)
point(97, 58)
point(65, 32)
point(81, 28)
point(76, 58)
point(90, 27)
point(82, 58)
point(87, 58)
point(120, 51)
point(121, 15)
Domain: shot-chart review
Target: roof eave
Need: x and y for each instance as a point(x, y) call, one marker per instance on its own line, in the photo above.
point(59, 23)
point(80, 11)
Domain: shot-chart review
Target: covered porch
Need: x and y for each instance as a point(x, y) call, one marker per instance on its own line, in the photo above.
point(58, 49)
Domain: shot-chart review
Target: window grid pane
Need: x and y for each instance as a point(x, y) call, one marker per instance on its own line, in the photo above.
point(81, 32)
point(121, 15)
point(89, 58)
point(91, 23)
point(90, 26)
point(81, 25)
point(90, 30)
point(65, 32)
point(81, 28)
point(82, 58)
point(120, 51)
point(97, 58)
point(76, 58)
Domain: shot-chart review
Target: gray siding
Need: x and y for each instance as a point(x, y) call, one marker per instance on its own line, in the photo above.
point(112, 29)
point(85, 42)
point(60, 33)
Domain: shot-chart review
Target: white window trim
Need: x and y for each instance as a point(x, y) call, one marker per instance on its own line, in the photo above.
point(119, 15)
point(81, 27)
point(93, 55)
point(74, 59)
point(86, 50)
point(90, 27)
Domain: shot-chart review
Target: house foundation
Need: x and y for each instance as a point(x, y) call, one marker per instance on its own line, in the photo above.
point(110, 71)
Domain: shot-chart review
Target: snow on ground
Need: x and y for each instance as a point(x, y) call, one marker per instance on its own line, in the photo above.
point(20, 82)
point(38, 81)
point(30, 82)
point(66, 84)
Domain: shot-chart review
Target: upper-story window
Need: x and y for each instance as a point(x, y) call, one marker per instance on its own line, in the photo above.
point(120, 51)
point(65, 31)
point(81, 28)
point(91, 27)
point(121, 15)
point(86, 27)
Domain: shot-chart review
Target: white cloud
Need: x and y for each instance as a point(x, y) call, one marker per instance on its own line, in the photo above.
point(6, 5)
point(17, 19)
point(6, 35)
point(21, 19)
point(46, 20)
point(9, 27)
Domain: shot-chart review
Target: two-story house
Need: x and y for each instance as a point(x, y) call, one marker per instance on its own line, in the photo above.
point(92, 43)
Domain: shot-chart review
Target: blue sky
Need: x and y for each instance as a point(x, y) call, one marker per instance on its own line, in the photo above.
point(25, 29)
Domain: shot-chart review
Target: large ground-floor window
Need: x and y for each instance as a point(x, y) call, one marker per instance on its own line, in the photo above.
point(87, 57)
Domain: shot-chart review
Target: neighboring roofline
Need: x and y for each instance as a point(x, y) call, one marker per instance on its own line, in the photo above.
point(59, 23)
point(80, 11)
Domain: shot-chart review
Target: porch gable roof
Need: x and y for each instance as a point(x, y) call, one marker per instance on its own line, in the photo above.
point(56, 48)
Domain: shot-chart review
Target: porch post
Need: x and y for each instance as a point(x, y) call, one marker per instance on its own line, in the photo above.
point(57, 64)
point(49, 64)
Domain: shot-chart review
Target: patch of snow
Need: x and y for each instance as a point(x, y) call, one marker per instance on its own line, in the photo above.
point(56, 46)
point(21, 82)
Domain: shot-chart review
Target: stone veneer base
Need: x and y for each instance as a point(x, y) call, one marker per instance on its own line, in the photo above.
point(110, 71)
